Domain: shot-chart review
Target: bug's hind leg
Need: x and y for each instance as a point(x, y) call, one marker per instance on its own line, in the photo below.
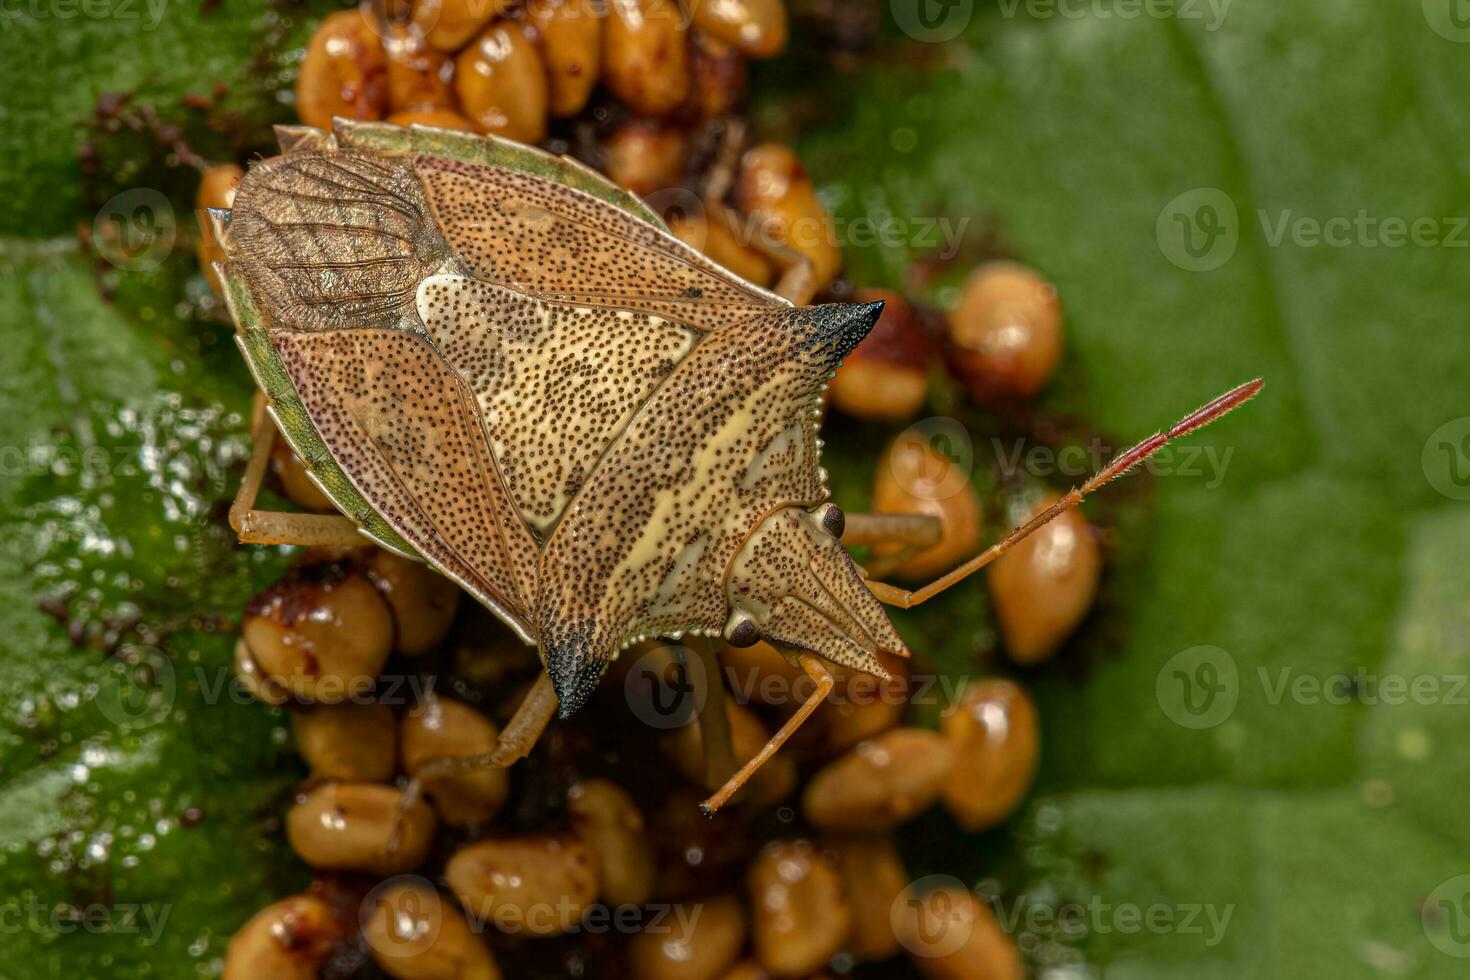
point(279, 527)
point(517, 739)
point(824, 681)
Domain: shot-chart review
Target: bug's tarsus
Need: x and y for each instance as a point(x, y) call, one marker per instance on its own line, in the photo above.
point(1122, 463)
point(253, 526)
point(819, 673)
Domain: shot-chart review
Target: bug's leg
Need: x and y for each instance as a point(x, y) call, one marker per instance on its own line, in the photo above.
point(719, 176)
point(278, 527)
point(515, 743)
point(913, 533)
point(798, 282)
point(823, 678)
point(1122, 463)
point(714, 720)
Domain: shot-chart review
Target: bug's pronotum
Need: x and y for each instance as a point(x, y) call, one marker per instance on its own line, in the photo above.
point(495, 360)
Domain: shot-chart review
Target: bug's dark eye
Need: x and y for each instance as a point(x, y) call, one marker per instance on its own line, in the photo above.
point(834, 520)
point(745, 634)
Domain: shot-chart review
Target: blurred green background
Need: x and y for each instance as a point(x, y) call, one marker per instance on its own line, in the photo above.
point(1164, 164)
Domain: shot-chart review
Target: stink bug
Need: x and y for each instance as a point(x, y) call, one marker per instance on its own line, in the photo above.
point(496, 361)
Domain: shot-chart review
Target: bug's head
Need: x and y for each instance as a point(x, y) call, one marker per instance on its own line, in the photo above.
point(793, 585)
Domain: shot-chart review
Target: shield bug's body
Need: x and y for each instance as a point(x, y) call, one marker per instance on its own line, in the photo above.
point(496, 361)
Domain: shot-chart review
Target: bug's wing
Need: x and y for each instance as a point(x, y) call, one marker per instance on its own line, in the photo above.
point(644, 547)
point(404, 430)
point(333, 239)
point(561, 244)
point(554, 384)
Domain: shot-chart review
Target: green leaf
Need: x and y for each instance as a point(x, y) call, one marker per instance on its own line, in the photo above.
point(1324, 561)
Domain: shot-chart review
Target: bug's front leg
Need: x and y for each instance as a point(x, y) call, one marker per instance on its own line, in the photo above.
point(279, 527)
point(913, 534)
point(713, 719)
point(818, 672)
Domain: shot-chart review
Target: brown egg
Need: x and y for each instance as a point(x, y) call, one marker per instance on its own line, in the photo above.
point(216, 190)
point(422, 600)
point(773, 188)
point(800, 916)
point(537, 886)
point(415, 934)
point(773, 782)
point(345, 72)
point(1006, 331)
point(702, 950)
point(1044, 586)
point(501, 84)
point(607, 819)
point(348, 742)
point(448, 25)
point(645, 155)
point(886, 378)
point(290, 472)
point(351, 827)
point(756, 27)
point(715, 239)
point(438, 118)
point(873, 878)
point(996, 741)
point(717, 77)
point(951, 935)
point(570, 35)
point(439, 728)
point(882, 782)
point(419, 75)
point(645, 55)
point(288, 940)
point(253, 680)
point(322, 633)
point(863, 706)
point(913, 477)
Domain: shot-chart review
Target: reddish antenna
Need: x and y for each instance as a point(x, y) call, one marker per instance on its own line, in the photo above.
point(1122, 463)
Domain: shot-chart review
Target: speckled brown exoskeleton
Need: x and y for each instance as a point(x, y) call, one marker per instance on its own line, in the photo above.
point(496, 361)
